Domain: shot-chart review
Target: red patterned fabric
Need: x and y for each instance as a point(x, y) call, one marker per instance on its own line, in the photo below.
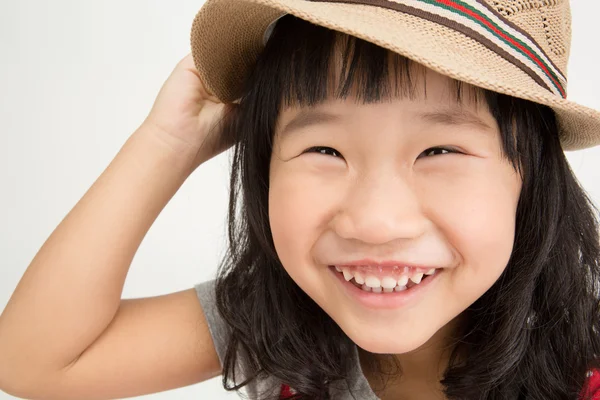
point(286, 392)
point(593, 388)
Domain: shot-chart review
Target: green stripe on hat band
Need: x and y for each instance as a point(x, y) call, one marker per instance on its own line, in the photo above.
point(502, 32)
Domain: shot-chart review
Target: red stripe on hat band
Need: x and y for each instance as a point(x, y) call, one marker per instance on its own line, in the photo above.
point(465, 10)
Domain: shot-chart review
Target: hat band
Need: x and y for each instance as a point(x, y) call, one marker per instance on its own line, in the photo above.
point(479, 21)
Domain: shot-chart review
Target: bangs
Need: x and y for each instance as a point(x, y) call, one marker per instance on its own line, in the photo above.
point(311, 64)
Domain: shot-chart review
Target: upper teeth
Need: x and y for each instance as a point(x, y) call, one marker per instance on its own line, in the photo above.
point(347, 275)
point(416, 278)
point(385, 282)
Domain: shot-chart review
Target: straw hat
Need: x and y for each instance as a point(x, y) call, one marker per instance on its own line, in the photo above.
point(515, 47)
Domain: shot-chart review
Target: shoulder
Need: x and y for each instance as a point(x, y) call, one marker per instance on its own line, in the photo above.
point(221, 335)
point(218, 328)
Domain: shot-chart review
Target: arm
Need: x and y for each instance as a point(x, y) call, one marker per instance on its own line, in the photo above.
point(66, 324)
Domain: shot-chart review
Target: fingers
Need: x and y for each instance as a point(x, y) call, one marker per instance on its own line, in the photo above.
point(189, 63)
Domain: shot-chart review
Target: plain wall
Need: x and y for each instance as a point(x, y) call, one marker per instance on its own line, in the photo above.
point(77, 78)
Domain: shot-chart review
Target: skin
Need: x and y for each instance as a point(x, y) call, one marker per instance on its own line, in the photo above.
point(380, 193)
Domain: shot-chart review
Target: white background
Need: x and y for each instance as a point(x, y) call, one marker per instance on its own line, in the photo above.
point(77, 78)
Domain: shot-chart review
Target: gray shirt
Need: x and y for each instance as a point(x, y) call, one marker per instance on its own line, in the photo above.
point(271, 387)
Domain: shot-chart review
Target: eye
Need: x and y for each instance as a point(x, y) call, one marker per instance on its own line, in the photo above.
point(439, 151)
point(323, 150)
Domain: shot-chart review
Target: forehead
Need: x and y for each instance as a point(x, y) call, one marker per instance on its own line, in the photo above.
point(296, 120)
point(434, 100)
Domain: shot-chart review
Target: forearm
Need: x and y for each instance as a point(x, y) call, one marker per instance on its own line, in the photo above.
point(72, 288)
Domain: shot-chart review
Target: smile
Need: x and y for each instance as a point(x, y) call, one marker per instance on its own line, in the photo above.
point(384, 280)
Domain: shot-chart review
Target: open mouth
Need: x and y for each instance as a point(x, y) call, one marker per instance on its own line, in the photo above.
point(397, 280)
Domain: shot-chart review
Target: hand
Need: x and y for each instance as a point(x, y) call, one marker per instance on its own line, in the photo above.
point(186, 116)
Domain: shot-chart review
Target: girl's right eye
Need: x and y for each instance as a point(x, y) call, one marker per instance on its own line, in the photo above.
point(323, 150)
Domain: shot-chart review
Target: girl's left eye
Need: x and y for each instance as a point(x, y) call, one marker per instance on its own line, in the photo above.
point(323, 150)
point(439, 151)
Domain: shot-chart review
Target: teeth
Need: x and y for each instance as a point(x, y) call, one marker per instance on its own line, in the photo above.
point(388, 283)
point(347, 275)
point(416, 278)
point(372, 282)
point(403, 280)
point(359, 278)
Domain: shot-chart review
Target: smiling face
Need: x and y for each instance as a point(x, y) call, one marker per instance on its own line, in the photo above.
point(418, 181)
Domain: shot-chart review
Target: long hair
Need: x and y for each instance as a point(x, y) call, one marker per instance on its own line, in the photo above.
point(532, 335)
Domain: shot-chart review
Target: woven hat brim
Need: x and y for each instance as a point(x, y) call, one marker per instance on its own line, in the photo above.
point(227, 37)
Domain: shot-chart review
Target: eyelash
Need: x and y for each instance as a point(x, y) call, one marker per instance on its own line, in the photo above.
point(450, 150)
point(321, 149)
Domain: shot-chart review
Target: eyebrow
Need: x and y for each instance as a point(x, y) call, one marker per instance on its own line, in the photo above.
point(308, 117)
point(455, 117)
point(450, 116)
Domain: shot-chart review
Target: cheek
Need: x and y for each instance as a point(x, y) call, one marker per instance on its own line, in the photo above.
point(479, 222)
point(298, 210)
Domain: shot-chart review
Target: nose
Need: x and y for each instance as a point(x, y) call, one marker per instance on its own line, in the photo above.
point(378, 210)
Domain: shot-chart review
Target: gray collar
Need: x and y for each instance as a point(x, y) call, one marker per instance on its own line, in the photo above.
point(357, 384)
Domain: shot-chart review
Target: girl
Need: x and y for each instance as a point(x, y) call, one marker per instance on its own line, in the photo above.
point(400, 226)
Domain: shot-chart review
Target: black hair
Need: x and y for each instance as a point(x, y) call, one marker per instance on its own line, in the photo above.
point(542, 336)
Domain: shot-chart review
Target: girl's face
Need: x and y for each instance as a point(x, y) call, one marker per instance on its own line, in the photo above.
point(375, 190)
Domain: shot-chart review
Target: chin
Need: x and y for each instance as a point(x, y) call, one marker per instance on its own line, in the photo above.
point(389, 341)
